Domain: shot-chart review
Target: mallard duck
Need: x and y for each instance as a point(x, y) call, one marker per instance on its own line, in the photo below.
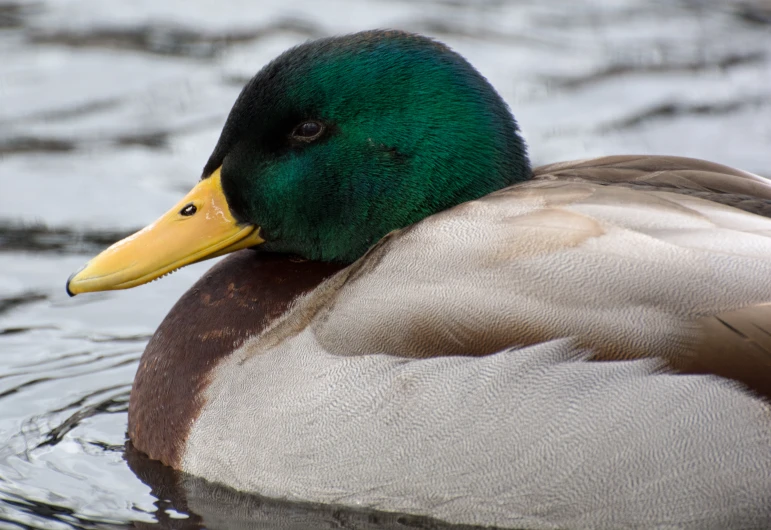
point(417, 321)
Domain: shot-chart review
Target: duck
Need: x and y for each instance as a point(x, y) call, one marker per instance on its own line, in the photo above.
point(413, 319)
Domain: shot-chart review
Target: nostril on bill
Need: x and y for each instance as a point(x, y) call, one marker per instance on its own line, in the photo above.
point(188, 210)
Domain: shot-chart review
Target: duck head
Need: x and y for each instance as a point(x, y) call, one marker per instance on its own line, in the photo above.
point(328, 148)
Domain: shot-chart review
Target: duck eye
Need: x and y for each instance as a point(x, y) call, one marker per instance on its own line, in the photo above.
point(308, 131)
point(188, 210)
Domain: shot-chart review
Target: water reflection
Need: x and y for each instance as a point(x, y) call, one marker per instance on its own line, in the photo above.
point(217, 507)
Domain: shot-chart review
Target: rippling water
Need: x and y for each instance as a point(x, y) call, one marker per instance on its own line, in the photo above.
point(108, 111)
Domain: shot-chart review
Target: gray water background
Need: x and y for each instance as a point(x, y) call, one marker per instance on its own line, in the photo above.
point(108, 111)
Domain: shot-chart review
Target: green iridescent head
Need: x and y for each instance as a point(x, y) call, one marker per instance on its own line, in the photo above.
point(341, 140)
point(328, 148)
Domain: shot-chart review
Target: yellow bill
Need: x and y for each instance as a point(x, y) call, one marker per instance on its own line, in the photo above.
point(199, 227)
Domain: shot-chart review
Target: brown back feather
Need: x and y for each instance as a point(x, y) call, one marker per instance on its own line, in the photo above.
point(688, 176)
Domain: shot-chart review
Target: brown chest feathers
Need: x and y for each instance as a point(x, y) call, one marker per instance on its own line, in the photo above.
point(234, 300)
